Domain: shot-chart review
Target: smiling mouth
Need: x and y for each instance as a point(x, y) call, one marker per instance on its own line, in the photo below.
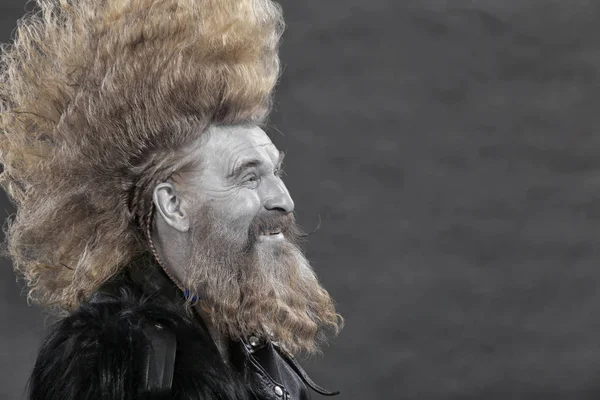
point(272, 236)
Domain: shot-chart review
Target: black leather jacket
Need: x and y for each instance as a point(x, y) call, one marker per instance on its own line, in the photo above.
point(132, 340)
point(272, 373)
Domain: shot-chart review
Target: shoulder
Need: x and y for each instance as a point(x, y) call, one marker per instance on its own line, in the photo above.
point(99, 352)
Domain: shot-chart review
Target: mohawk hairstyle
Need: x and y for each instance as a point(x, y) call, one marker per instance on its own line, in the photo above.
point(98, 100)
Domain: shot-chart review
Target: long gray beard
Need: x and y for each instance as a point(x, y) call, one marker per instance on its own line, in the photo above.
point(265, 290)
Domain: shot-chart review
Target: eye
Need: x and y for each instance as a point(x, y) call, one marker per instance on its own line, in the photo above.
point(250, 179)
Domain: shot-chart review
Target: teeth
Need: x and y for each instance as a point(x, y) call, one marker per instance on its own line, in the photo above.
point(270, 233)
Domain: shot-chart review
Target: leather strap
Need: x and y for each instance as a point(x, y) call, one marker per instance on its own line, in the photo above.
point(302, 373)
point(159, 361)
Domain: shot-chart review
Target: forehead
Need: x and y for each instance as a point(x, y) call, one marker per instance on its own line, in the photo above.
point(227, 144)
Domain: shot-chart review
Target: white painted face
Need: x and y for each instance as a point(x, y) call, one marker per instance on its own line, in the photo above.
point(241, 177)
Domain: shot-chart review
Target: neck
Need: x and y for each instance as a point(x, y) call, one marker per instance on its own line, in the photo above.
point(171, 257)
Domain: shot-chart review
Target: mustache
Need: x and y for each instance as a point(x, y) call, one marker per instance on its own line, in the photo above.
point(272, 221)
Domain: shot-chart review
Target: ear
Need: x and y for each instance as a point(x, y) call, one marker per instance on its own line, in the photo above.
point(168, 204)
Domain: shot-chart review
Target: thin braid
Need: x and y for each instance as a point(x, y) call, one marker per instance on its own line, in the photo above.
point(149, 222)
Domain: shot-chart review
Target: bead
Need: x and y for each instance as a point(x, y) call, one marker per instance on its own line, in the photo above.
point(278, 391)
point(253, 341)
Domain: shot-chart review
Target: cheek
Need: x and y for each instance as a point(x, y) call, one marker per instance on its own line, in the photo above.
point(241, 207)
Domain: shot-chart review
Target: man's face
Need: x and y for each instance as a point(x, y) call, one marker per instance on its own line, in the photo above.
point(241, 178)
point(244, 262)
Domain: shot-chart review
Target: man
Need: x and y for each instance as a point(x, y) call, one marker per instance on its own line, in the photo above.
point(151, 210)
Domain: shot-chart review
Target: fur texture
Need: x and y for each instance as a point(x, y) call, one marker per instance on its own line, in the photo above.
point(97, 352)
point(98, 99)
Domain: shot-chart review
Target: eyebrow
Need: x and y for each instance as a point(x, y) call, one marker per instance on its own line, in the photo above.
point(252, 164)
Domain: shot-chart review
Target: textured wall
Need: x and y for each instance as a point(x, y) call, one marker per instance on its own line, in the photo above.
point(451, 156)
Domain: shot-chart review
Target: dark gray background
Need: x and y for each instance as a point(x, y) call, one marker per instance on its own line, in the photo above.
point(452, 156)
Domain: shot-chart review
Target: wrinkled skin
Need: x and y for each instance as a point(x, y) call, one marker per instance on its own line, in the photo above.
point(227, 233)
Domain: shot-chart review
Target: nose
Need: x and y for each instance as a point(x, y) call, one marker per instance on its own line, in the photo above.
point(279, 199)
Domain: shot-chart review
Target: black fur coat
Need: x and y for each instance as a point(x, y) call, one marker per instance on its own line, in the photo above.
point(100, 350)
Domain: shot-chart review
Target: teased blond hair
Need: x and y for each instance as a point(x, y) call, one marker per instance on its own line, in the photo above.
point(97, 100)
